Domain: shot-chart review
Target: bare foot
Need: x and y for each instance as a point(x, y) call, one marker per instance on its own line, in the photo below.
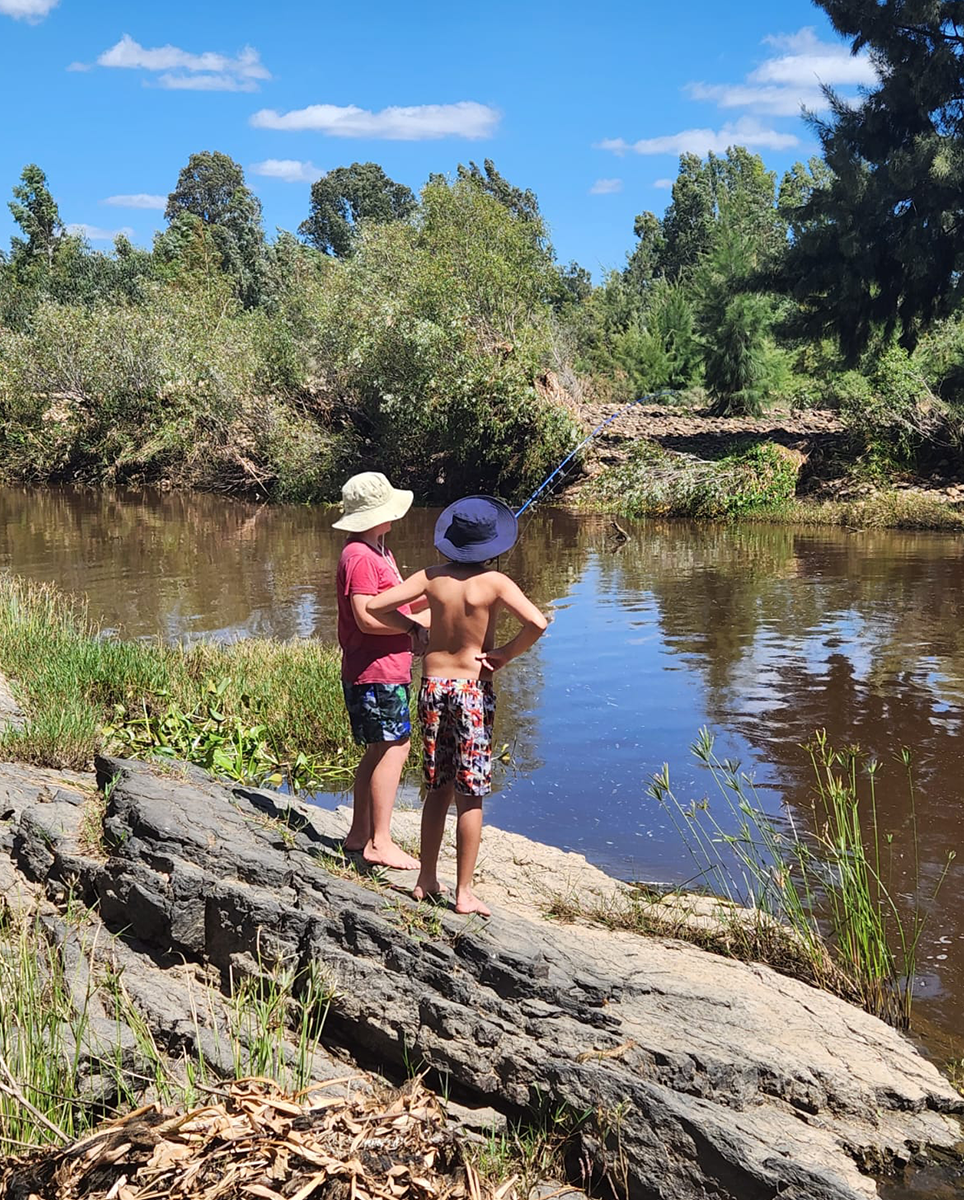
point(468, 902)
point(353, 849)
point(389, 855)
point(429, 889)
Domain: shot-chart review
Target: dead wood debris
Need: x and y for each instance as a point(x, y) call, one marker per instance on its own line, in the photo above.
point(256, 1143)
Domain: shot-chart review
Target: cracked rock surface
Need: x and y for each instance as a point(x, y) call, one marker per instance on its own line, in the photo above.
point(709, 1077)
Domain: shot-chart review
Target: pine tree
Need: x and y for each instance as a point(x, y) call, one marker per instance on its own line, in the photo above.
point(879, 247)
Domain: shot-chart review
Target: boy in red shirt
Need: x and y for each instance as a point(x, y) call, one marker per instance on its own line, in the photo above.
point(376, 667)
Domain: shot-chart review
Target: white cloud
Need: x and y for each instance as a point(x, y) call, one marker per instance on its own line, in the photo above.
point(776, 101)
point(31, 11)
point(808, 58)
point(785, 83)
point(606, 187)
point(745, 132)
point(138, 200)
point(291, 170)
point(209, 71)
point(664, 184)
point(410, 124)
point(94, 233)
point(206, 83)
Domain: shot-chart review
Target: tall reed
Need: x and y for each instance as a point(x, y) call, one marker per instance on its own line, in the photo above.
point(825, 884)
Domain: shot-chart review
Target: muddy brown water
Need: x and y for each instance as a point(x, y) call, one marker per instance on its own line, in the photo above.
point(763, 633)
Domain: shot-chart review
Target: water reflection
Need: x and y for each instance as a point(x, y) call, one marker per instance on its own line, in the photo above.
point(764, 633)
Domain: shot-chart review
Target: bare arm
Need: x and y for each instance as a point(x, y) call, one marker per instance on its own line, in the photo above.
point(533, 626)
point(368, 624)
point(382, 609)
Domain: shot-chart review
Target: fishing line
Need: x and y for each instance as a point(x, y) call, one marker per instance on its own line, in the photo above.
point(649, 396)
point(586, 440)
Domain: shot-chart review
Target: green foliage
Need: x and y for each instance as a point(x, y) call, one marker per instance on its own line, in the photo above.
point(276, 708)
point(879, 244)
point(230, 745)
point(642, 343)
point(738, 368)
point(829, 876)
point(217, 361)
point(522, 203)
point(348, 196)
point(732, 192)
point(36, 212)
point(211, 189)
point(891, 411)
point(434, 335)
point(657, 482)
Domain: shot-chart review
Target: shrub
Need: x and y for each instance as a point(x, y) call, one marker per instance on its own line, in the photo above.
point(431, 338)
point(657, 482)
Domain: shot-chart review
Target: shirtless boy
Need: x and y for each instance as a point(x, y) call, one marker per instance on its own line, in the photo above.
point(456, 704)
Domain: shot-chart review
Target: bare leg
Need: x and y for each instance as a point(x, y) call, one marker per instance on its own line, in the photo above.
point(360, 833)
point(468, 838)
point(380, 850)
point(434, 811)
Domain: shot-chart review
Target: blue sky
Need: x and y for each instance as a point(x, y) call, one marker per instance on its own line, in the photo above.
point(588, 105)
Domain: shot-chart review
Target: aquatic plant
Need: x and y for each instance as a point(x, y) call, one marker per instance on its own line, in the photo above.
point(825, 884)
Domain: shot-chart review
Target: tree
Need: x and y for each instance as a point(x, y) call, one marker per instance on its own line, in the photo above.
point(736, 324)
point(345, 197)
point(646, 261)
point(879, 245)
point(574, 287)
point(211, 188)
point(522, 203)
point(35, 211)
point(733, 189)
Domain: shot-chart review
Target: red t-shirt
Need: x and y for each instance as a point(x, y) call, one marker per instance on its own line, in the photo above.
point(369, 657)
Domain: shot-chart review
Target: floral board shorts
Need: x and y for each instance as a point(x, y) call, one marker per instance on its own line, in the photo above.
point(456, 717)
point(378, 711)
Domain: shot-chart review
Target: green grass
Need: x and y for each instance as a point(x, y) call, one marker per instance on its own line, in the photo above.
point(252, 710)
point(269, 1024)
point(903, 509)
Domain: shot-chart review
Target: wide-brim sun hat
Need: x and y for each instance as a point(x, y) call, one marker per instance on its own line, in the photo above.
point(368, 500)
point(475, 528)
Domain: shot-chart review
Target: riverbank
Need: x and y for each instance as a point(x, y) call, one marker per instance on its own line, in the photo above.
point(660, 461)
point(264, 710)
point(672, 1069)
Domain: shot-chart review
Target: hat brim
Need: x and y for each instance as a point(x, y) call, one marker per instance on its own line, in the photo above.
point(393, 509)
point(506, 532)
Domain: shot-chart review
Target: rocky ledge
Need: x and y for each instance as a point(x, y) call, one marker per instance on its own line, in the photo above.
point(705, 1076)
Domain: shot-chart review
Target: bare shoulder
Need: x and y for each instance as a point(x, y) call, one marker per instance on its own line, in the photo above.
point(502, 583)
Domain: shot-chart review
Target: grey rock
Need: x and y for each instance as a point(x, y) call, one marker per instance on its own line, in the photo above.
point(707, 1076)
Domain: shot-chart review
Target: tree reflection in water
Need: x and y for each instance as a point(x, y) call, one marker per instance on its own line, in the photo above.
point(765, 633)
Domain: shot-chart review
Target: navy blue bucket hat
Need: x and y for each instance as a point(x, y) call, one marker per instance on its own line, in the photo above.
point(475, 528)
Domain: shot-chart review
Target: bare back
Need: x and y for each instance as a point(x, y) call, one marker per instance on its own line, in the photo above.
point(464, 603)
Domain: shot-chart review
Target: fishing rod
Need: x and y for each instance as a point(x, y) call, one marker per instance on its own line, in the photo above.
point(650, 396)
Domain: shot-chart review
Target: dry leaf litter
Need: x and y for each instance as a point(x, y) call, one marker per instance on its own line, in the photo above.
point(255, 1142)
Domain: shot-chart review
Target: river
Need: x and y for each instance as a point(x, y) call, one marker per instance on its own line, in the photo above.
point(762, 633)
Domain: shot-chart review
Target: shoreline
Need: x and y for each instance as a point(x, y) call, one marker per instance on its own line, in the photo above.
point(226, 881)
